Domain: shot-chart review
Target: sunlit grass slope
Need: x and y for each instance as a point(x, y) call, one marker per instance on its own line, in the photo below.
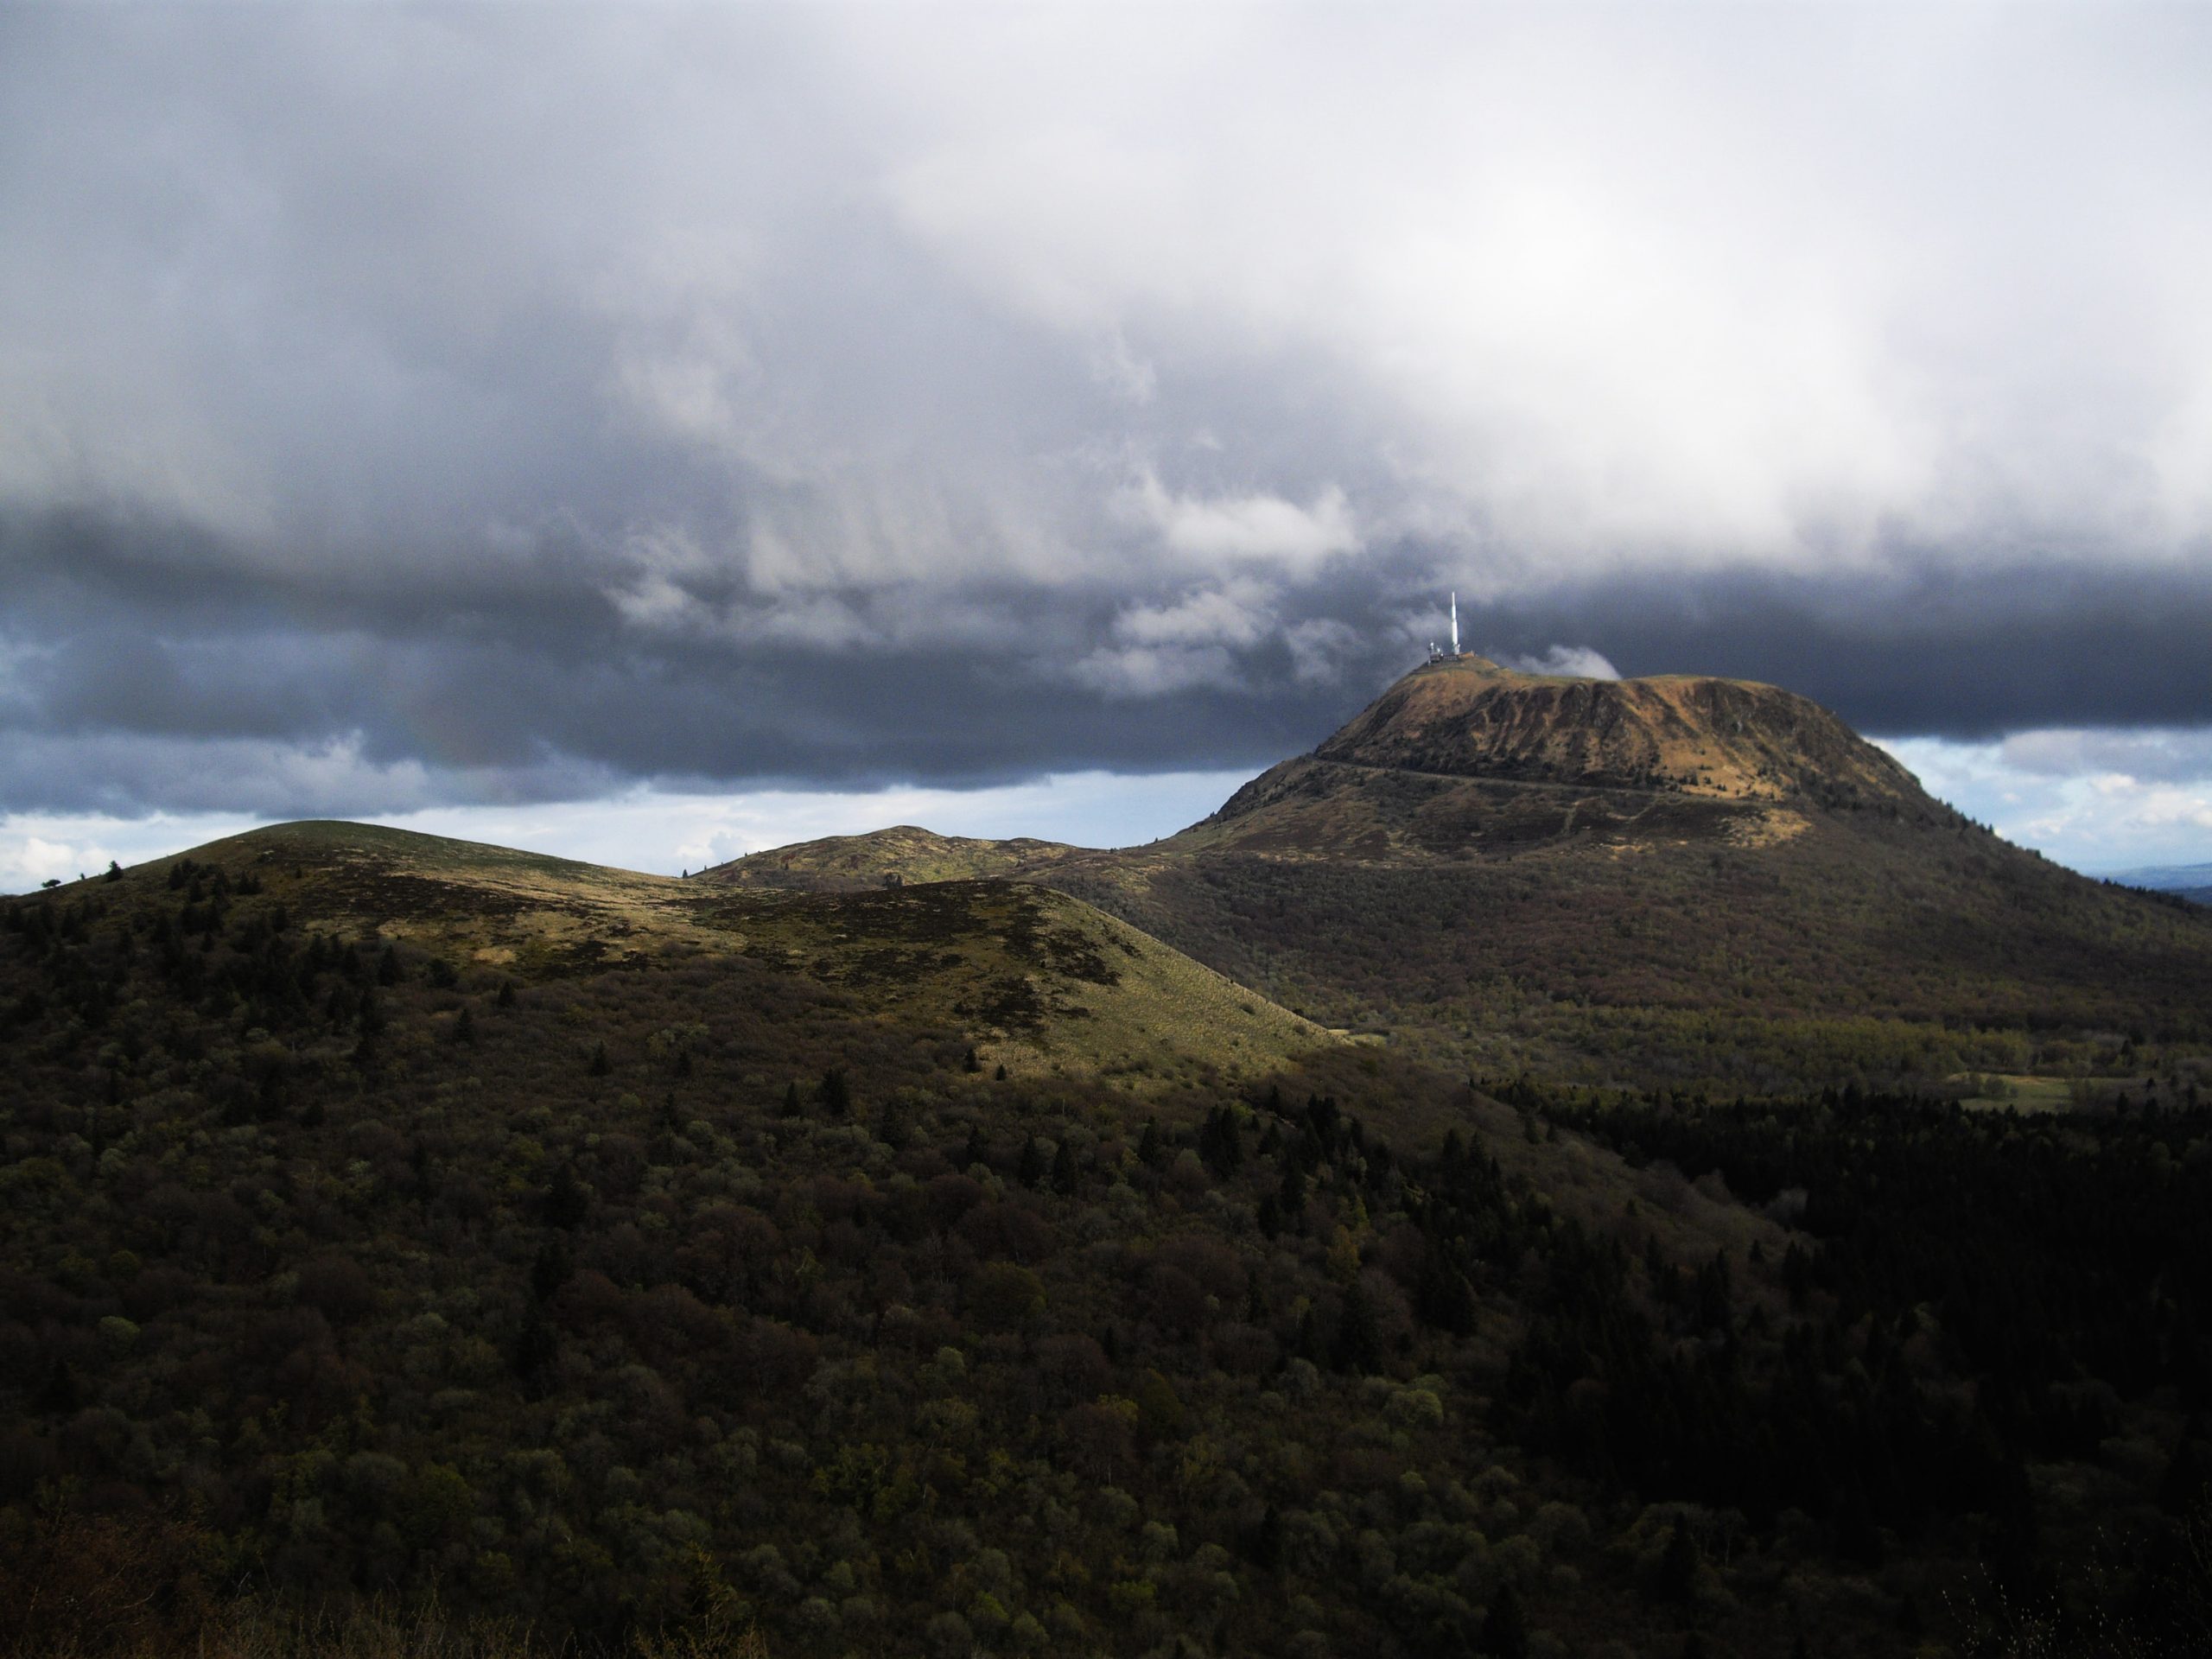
point(899, 856)
point(1036, 981)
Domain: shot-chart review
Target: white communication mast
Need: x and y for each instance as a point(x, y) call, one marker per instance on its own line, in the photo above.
point(1436, 656)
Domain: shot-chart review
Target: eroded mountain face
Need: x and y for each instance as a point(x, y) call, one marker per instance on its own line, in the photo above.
point(1726, 739)
point(1463, 759)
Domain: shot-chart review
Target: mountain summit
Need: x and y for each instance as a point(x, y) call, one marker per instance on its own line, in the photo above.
point(1726, 740)
point(1462, 757)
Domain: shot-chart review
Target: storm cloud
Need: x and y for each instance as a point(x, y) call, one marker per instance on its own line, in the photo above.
point(410, 407)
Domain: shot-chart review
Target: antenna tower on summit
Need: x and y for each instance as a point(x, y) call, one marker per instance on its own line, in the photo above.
point(1436, 656)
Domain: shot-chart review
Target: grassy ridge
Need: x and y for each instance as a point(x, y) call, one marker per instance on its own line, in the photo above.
point(1037, 980)
point(900, 855)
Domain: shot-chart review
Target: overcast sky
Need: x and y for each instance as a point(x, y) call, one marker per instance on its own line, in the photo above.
point(552, 415)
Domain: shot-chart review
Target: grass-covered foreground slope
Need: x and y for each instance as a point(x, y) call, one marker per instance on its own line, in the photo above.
point(1031, 979)
point(410, 1227)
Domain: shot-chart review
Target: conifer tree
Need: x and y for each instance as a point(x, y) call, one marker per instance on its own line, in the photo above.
point(1358, 1347)
point(1505, 1627)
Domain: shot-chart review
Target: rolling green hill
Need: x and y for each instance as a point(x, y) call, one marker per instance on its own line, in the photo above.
point(1029, 978)
point(894, 857)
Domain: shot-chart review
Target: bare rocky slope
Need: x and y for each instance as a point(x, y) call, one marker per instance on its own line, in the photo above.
point(1726, 740)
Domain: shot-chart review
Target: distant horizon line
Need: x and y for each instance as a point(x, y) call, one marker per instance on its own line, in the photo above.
point(2156, 877)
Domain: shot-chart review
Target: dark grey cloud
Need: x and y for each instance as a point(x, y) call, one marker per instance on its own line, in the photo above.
point(118, 699)
point(1939, 653)
point(406, 406)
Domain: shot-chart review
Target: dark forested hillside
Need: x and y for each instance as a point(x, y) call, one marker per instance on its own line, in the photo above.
point(632, 1288)
point(1889, 954)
